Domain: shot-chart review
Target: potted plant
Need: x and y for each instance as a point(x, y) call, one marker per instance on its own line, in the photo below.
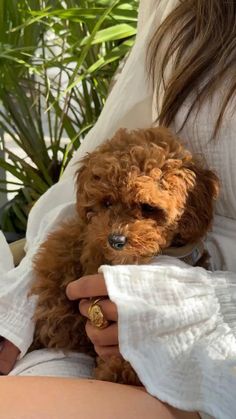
point(57, 60)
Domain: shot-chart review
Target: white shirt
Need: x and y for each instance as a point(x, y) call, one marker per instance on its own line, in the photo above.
point(183, 340)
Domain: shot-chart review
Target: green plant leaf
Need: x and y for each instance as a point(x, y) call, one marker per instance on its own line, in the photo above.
point(112, 34)
point(57, 59)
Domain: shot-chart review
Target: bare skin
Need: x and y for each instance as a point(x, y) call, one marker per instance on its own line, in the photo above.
point(57, 398)
point(105, 340)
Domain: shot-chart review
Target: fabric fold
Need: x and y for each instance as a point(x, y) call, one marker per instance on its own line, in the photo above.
point(177, 329)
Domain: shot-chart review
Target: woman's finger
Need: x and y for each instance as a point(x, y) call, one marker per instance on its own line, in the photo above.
point(102, 337)
point(86, 287)
point(107, 351)
point(108, 308)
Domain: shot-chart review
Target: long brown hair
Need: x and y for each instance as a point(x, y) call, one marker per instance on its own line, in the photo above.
point(201, 37)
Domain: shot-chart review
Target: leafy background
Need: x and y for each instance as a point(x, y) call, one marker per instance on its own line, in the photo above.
point(57, 61)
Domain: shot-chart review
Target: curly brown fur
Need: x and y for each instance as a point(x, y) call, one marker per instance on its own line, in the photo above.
point(116, 370)
point(142, 185)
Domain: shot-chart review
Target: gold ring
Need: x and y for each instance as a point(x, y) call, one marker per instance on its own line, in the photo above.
point(96, 315)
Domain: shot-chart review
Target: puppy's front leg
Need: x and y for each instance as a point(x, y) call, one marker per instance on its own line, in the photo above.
point(58, 323)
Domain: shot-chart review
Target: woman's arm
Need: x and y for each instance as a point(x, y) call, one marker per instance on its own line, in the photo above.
point(177, 328)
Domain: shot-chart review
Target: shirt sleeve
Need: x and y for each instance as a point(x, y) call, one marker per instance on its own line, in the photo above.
point(177, 328)
point(16, 308)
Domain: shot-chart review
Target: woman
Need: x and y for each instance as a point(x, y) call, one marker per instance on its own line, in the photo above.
point(185, 353)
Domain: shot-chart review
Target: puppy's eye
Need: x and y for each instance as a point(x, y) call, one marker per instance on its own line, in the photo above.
point(147, 209)
point(96, 177)
point(106, 203)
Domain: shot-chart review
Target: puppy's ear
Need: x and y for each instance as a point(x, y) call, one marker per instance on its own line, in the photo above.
point(198, 214)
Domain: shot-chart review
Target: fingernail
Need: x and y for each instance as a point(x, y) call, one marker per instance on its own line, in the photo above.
point(84, 300)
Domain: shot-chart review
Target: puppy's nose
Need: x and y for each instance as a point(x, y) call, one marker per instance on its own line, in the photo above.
point(117, 241)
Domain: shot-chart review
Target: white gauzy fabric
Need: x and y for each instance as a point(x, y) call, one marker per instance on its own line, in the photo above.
point(177, 327)
point(6, 256)
point(49, 363)
point(176, 323)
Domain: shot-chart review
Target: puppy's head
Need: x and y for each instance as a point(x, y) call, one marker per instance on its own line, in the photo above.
point(141, 192)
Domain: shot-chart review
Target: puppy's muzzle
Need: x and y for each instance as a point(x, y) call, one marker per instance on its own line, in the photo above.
point(117, 241)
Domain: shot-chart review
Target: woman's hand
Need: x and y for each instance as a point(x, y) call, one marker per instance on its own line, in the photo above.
point(93, 286)
point(8, 356)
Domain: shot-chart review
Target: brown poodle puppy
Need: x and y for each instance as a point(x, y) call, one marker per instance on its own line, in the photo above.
point(137, 194)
